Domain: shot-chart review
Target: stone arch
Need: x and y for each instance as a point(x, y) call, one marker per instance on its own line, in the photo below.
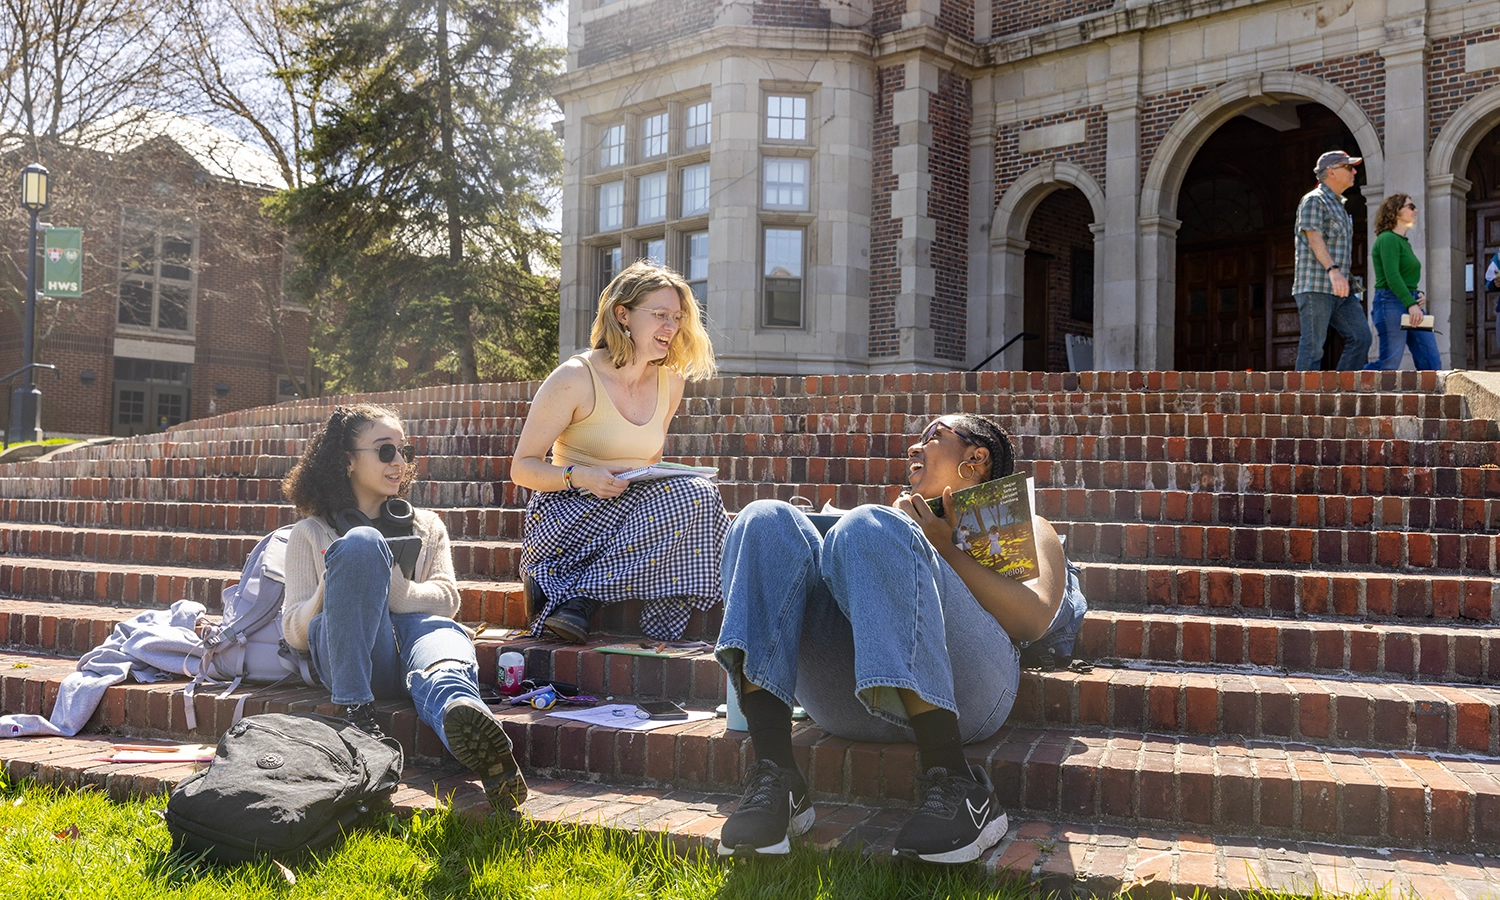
point(1013, 212)
point(1448, 204)
point(1008, 250)
point(1170, 160)
point(1456, 139)
point(1157, 226)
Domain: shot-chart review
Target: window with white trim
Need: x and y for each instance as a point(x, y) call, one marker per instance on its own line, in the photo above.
point(695, 190)
point(612, 146)
point(786, 118)
point(651, 198)
point(696, 131)
point(782, 277)
point(785, 183)
point(611, 205)
point(654, 136)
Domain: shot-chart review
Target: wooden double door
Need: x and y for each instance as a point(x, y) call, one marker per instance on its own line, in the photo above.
point(1484, 240)
point(1221, 308)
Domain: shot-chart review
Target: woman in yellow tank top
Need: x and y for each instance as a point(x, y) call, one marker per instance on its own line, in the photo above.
point(591, 538)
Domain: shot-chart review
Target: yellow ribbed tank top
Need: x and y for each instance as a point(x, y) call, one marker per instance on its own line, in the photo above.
point(606, 438)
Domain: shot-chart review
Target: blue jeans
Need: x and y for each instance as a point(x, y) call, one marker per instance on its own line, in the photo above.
point(363, 652)
point(1315, 312)
point(1387, 311)
point(838, 623)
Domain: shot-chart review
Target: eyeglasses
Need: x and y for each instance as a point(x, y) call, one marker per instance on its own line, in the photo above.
point(931, 433)
point(663, 315)
point(1411, 206)
point(387, 452)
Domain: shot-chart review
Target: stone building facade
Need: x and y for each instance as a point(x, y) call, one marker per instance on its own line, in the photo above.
point(182, 314)
point(871, 185)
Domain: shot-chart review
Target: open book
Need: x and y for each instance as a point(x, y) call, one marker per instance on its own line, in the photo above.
point(668, 470)
point(994, 524)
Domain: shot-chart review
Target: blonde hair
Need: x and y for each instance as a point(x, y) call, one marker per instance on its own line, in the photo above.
point(690, 354)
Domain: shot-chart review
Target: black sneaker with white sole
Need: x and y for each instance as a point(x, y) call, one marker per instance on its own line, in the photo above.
point(958, 820)
point(774, 809)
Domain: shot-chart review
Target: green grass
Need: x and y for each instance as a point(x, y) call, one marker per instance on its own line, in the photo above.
point(45, 442)
point(120, 851)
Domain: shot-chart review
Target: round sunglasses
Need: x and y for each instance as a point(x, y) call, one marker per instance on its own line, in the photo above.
point(387, 452)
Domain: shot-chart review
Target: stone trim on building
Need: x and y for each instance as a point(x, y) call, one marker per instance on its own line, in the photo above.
point(1454, 79)
point(1088, 152)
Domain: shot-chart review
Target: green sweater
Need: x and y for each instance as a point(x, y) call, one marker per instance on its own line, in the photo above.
point(1397, 268)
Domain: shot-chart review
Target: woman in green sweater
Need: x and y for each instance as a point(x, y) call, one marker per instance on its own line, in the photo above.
point(1397, 271)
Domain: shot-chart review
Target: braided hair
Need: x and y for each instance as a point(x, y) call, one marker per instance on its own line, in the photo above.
point(318, 485)
point(994, 438)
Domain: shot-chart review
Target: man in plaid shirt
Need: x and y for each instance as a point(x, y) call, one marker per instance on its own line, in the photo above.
point(1320, 282)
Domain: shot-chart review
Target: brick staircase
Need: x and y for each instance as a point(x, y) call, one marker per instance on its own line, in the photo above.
point(1292, 583)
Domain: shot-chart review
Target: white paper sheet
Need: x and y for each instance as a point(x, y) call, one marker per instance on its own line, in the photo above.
point(626, 719)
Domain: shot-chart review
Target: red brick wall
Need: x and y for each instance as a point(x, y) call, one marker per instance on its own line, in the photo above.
point(957, 17)
point(1362, 77)
point(1020, 15)
point(637, 28)
point(1089, 155)
point(790, 14)
point(239, 259)
point(1449, 86)
point(885, 274)
point(887, 16)
point(1159, 112)
point(1060, 224)
point(950, 112)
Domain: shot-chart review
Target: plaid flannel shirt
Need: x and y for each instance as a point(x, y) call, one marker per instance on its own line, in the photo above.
point(1321, 210)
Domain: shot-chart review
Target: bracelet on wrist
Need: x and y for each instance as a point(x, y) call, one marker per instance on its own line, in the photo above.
point(568, 477)
point(1331, 268)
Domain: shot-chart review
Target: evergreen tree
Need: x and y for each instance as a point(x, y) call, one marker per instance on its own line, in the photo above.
point(420, 234)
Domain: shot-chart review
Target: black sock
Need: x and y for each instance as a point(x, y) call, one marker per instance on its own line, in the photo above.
point(938, 741)
point(770, 724)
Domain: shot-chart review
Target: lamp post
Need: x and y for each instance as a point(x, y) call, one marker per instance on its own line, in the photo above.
point(26, 401)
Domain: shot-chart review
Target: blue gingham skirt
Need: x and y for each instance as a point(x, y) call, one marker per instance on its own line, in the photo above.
point(659, 542)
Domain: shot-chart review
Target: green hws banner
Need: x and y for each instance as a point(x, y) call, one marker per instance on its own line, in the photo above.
point(62, 263)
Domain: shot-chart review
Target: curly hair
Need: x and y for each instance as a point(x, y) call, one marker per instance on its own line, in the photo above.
point(994, 438)
point(318, 485)
point(1390, 208)
point(690, 354)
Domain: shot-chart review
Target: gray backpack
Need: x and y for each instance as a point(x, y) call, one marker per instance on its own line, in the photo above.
point(247, 644)
point(282, 784)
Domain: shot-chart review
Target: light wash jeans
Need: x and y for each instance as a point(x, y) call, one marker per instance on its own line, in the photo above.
point(1315, 312)
point(837, 623)
point(1387, 311)
point(363, 652)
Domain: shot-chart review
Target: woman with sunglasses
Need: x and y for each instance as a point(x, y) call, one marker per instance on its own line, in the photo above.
point(1397, 272)
point(884, 630)
point(592, 538)
point(372, 632)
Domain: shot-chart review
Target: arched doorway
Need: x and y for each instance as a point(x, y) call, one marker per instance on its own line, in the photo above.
point(1482, 239)
point(1237, 206)
point(1058, 298)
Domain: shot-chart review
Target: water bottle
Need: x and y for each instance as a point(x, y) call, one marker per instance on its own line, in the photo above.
point(512, 671)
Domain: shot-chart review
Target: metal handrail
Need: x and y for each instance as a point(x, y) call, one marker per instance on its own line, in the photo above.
point(1023, 336)
point(24, 368)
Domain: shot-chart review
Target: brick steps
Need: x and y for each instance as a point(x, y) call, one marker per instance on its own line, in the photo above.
point(471, 559)
point(1426, 513)
point(1056, 857)
point(1264, 706)
point(1257, 594)
point(1328, 548)
point(1455, 652)
point(1273, 789)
